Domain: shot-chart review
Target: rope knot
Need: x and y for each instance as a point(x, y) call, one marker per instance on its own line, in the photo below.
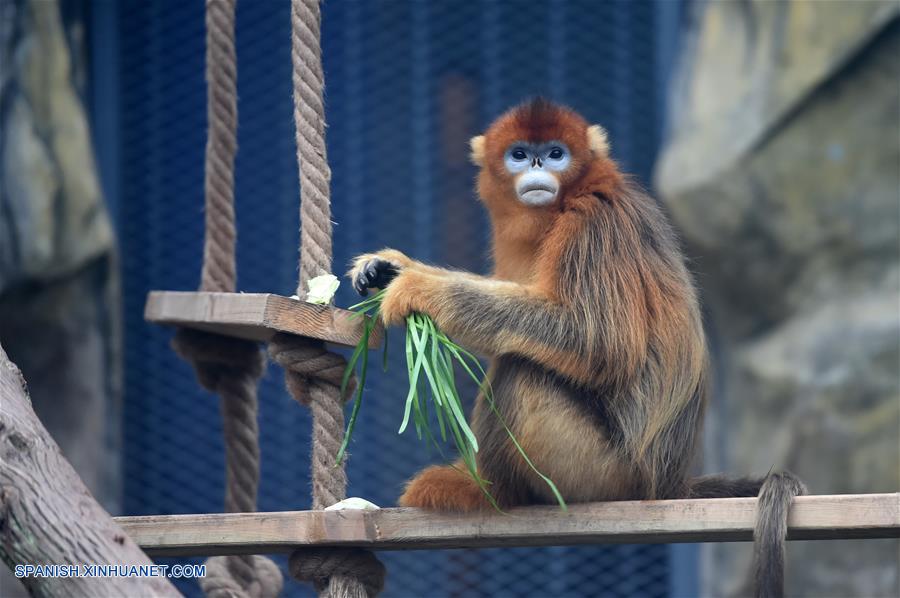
point(319, 565)
point(216, 357)
point(307, 360)
point(241, 577)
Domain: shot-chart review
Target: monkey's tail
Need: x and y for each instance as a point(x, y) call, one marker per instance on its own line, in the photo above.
point(775, 492)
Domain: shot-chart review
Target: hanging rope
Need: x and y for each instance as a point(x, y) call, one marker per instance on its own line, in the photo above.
point(227, 366)
point(309, 120)
point(219, 273)
point(231, 368)
point(344, 568)
point(313, 374)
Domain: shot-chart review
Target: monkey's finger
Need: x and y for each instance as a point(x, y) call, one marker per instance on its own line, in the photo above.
point(374, 274)
point(367, 277)
point(360, 283)
point(381, 273)
point(370, 271)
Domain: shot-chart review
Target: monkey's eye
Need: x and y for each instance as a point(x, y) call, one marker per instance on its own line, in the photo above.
point(519, 154)
point(555, 154)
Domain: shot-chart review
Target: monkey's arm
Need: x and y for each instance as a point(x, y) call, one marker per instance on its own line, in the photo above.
point(487, 316)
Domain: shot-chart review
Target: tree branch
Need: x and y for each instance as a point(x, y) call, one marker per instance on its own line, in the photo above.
point(47, 515)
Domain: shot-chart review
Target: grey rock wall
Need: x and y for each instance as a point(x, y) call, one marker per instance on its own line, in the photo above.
point(783, 175)
point(53, 219)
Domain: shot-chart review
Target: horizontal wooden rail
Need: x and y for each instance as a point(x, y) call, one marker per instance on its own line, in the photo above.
point(256, 316)
point(706, 520)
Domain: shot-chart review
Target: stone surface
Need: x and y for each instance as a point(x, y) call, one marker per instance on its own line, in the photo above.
point(783, 175)
point(53, 219)
point(60, 335)
point(747, 65)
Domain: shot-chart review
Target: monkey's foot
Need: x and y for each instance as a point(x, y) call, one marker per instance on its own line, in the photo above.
point(443, 488)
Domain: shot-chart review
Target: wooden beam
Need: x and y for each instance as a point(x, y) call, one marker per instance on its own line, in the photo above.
point(706, 520)
point(47, 515)
point(256, 316)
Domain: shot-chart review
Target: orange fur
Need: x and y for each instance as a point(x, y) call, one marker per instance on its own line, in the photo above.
point(580, 290)
point(443, 488)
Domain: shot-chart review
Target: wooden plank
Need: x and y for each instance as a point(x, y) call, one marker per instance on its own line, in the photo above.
point(706, 520)
point(256, 316)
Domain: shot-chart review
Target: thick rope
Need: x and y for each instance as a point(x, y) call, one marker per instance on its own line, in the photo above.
point(309, 119)
point(227, 366)
point(231, 368)
point(221, 581)
point(219, 272)
point(313, 376)
point(313, 373)
point(318, 565)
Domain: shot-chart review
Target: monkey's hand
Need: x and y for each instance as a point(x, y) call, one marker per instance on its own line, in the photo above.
point(414, 289)
point(410, 286)
point(377, 270)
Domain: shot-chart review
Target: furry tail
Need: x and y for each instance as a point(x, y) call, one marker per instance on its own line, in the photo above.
point(775, 492)
point(770, 532)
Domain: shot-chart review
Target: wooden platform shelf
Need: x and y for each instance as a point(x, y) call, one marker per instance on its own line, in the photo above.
point(256, 316)
point(706, 520)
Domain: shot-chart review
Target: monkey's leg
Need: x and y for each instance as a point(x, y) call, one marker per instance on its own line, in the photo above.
point(444, 488)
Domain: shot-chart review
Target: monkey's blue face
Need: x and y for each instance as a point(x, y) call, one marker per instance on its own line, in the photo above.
point(535, 167)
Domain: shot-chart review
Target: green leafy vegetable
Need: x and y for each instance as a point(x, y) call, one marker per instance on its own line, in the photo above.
point(430, 360)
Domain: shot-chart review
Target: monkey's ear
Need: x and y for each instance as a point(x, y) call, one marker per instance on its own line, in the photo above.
point(477, 145)
point(598, 140)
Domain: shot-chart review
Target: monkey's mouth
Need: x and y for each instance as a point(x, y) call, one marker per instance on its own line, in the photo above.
point(537, 194)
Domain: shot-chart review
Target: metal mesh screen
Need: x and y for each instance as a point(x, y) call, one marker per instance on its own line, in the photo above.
point(407, 83)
